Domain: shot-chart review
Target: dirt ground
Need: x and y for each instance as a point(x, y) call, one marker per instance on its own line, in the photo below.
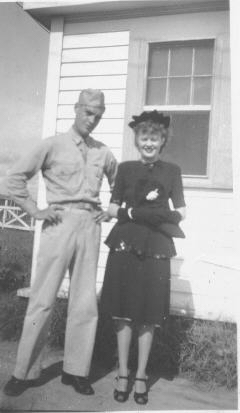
point(50, 395)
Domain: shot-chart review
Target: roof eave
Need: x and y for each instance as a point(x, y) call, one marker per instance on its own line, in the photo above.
point(117, 9)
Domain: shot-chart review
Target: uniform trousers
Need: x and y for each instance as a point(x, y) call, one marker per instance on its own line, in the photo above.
point(73, 245)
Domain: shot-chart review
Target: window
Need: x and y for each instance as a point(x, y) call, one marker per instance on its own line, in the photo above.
point(179, 82)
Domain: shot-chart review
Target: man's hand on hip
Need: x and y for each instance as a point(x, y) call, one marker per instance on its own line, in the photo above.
point(50, 214)
point(101, 216)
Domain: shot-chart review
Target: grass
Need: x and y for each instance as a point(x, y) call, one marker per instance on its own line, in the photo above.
point(209, 353)
point(203, 351)
point(12, 312)
point(16, 247)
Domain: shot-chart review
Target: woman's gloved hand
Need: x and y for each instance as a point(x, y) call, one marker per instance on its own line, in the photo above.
point(172, 216)
point(150, 216)
point(155, 216)
point(143, 215)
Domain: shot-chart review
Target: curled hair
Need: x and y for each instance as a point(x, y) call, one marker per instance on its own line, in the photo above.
point(150, 127)
point(151, 122)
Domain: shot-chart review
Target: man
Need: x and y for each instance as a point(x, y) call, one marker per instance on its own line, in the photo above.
point(72, 165)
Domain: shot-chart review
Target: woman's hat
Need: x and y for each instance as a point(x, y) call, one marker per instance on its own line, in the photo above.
point(153, 115)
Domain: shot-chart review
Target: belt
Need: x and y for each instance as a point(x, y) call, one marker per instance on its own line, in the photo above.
point(88, 206)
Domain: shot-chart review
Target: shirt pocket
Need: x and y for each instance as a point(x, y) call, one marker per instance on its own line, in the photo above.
point(66, 177)
point(66, 169)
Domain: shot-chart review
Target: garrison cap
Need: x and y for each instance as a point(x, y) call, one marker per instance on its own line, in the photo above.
point(92, 97)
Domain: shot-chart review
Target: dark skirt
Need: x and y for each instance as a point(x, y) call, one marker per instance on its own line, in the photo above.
point(140, 240)
point(136, 288)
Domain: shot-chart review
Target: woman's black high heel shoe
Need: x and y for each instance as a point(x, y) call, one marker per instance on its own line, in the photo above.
point(141, 398)
point(119, 395)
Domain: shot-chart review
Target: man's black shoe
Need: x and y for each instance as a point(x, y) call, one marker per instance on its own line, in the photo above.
point(80, 384)
point(15, 387)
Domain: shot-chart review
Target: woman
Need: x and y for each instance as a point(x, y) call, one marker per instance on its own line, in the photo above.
point(136, 286)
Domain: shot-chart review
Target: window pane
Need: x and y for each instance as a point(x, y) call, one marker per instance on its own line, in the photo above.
point(156, 91)
point(158, 61)
point(184, 72)
point(181, 61)
point(202, 90)
point(189, 144)
point(203, 60)
point(179, 91)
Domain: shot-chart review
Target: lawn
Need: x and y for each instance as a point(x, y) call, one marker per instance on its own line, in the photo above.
point(204, 351)
point(16, 247)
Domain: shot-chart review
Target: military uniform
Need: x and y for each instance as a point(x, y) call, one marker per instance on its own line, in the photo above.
point(73, 169)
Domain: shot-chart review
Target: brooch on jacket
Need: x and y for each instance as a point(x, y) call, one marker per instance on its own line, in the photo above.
point(152, 195)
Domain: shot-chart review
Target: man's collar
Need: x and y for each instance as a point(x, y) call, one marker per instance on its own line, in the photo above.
point(78, 138)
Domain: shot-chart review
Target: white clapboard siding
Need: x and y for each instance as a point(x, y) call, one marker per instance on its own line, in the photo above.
point(102, 259)
point(96, 60)
point(96, 39)
point(103, 247)
point(105, 186)
point(204, 283)
point(100, 275)
point(203, 279)
point(94, 82)
point(106, 228)
point(110, 126)
point(205, 289)
point(115, 111)
point(105, 126)
point(105, 198)
point(94, 68)
point(209, 226)
point(95, 54)
point(111, 96)
point(113, 140)
point(206, 308)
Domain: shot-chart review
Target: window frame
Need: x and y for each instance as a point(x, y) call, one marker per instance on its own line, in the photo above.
point(189, 180)
point(219, 163)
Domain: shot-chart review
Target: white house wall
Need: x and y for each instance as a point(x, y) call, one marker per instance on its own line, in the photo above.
point(205, 25)
point(107, 55)
point(96, 60)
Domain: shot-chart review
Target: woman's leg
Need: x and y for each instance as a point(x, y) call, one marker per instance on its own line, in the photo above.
point(145, 338)
point(124, 336)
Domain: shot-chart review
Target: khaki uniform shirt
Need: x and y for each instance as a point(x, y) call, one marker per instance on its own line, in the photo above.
point(72, 169)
